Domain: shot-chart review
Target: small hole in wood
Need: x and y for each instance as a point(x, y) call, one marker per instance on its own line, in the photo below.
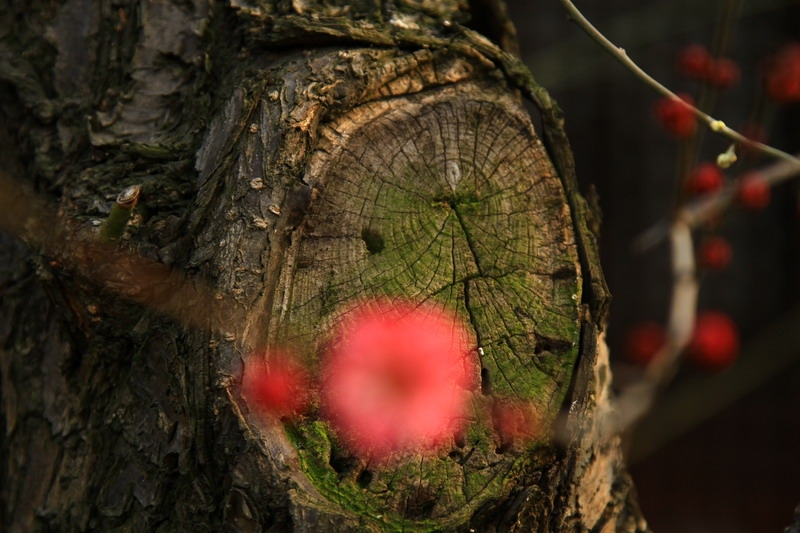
point(342, 464)
point(486, 385)
point(364, 478)
point(503, 448)
point(373, 240)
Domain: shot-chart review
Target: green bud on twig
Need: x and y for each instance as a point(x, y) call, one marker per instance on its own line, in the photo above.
point(728, 157)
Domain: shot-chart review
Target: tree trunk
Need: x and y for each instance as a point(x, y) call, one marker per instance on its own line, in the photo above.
point(293, 158)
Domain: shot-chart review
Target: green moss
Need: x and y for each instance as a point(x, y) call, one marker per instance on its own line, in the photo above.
point(372, 501)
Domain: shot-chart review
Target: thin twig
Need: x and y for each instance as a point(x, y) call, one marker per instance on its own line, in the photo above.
point(699, 211)
point(37, 222)
point(635, 400)
point(717, 126)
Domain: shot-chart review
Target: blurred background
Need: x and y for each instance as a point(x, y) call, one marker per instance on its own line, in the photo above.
point(719, 453)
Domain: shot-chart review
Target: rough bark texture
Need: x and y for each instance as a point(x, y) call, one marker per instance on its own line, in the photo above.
point(294, 157)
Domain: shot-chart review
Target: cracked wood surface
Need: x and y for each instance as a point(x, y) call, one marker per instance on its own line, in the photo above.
point(470, 214)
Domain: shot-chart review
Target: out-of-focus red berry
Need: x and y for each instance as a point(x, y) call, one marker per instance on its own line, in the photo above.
point(723, 73)
point(715, 253)
point(398, 377)
point(694, 61)
point(675, 116)
point(715, 341)
point(276, 385)
point(643, 342)
point(753, 192)
point(782, 75)
point(705, 178)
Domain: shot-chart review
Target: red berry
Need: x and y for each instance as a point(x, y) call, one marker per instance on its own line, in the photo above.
point(723, 73)
point(783, 87)
point(782, 76)
point(276, 385)
point(715, 341)
point(753, 192)
point(676, 117)
point(643, 342)
point(694, 61)
point(715, 253)
point(705, 178)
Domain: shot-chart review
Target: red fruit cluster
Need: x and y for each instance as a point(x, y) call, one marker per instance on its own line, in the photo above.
point(676, 117)
point(643, 342)
point(753, 192)
point(715, 253)
point(705, 178)
point(715, 341)
point(275, 385)
point(696, 62)
point(782, 76)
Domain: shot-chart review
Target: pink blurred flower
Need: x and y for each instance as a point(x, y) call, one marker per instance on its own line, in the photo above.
point(397, 378)
point(276, 385)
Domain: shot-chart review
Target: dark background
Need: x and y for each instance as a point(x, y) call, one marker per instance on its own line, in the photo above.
point(718, 453)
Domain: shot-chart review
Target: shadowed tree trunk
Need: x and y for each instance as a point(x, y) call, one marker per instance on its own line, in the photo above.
point(293, 158)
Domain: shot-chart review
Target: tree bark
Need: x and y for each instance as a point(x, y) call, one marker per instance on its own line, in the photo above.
point(293, 159)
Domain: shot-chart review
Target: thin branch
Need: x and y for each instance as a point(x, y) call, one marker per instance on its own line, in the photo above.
point(37, 222)
point(773, 350)
point(635, 400)
point(717, 126)
point(700, 211)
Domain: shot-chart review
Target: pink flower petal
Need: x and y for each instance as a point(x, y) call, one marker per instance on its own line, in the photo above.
point(397, 378)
